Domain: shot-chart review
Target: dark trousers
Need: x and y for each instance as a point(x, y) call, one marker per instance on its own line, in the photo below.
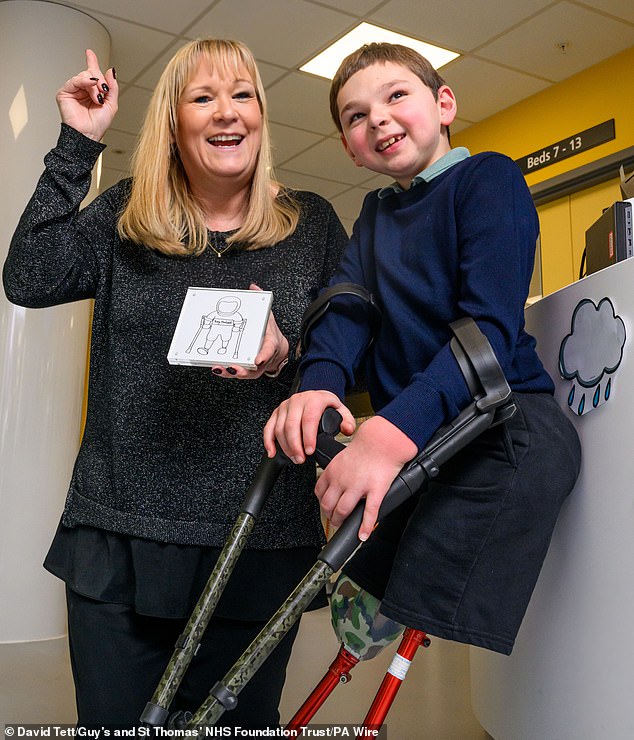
point(118, 658)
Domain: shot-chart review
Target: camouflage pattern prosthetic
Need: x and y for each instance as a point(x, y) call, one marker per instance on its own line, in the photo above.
point(202, 613)
point(355, 617)
point(263, 645)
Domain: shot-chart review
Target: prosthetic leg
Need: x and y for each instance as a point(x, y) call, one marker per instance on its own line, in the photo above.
point(363, 632)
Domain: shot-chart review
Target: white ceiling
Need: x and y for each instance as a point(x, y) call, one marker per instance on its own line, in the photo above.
point(510, 49)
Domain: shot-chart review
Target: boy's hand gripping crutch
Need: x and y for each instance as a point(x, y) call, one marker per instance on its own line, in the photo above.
point(492, 405)
point(156, 710)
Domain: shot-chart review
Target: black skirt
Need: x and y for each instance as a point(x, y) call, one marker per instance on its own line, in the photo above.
point(165, 580)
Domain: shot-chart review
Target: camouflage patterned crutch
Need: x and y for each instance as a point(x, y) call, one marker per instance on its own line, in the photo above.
point(492, 405)
point(156, 711)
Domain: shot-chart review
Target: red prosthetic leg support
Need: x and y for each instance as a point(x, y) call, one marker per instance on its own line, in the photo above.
point(339, 672)
point(412, 640)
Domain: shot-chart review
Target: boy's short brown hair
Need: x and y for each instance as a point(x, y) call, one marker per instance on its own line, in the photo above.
point(383, 52)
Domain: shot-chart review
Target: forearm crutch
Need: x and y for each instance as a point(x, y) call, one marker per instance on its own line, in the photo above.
point(200, 328)
point(243, 323)
point(492, 405)
point(348, 656)
point(156, 711)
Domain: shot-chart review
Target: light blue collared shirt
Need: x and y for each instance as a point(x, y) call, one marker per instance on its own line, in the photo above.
point(427, 175)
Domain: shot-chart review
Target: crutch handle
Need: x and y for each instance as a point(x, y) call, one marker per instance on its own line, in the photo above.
point(270, 468)
point(346, 539)
point(266, 475)
point(327, 446)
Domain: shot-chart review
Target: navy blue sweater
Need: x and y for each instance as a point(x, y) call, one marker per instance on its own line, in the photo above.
point(462, 244)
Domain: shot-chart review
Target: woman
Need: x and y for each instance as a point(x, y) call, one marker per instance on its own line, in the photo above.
point(168, 452)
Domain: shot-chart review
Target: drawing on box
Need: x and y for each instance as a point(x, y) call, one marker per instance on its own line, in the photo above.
point(220, 327)
point(221, 324)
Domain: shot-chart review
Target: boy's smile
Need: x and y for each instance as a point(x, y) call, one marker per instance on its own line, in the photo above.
point(391, 122)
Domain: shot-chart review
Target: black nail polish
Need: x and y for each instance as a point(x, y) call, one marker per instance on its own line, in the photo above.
point(231, 370)
point(100, 98)
point(105, 87)
point(216, 371)
point(95, 79)
point(114, 73)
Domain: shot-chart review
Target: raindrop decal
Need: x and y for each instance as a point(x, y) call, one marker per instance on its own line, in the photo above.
point(597, 396)
point(571, 395)
point(608, 388)
point(582, 404)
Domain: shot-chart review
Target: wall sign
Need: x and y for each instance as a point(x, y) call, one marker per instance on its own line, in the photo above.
point(568, 147)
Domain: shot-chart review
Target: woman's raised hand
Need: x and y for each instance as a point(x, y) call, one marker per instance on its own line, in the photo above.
point(88, 101)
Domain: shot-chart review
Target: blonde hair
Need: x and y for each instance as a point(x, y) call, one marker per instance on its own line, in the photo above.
point(162, 212)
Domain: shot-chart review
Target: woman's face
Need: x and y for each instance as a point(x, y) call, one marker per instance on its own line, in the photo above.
point(219, 127)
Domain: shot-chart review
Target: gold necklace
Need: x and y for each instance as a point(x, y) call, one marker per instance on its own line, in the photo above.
point(218, 238)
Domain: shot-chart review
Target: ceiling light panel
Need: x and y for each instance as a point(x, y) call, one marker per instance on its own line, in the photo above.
point(327, 62)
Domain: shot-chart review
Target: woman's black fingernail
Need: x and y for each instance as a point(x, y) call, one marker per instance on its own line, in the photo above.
point(105, 87)
point(114, 73)
point(231, 370)
point(216, 370)
point(100, 98)
point(95, 79)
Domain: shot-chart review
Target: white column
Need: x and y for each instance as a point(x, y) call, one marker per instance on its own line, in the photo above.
point(42, 352)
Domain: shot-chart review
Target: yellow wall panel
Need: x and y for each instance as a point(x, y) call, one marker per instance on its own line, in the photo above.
point(595, 95)
point(563, 225)
point(556, 239)
point(584, 100)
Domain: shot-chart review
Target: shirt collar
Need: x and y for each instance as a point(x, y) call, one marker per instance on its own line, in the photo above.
point(428, 174)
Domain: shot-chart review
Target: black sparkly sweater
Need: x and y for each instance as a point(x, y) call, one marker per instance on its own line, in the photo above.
point(168, 451)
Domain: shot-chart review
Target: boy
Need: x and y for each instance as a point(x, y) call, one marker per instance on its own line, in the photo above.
point(454, 236)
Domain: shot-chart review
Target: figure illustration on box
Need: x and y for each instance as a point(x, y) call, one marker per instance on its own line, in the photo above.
point(591, 353)
point(221, 325)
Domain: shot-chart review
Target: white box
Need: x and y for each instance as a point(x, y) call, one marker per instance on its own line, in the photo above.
point(220, 327)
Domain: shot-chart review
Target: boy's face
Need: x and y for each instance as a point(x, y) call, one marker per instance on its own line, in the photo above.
point(391, 122)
